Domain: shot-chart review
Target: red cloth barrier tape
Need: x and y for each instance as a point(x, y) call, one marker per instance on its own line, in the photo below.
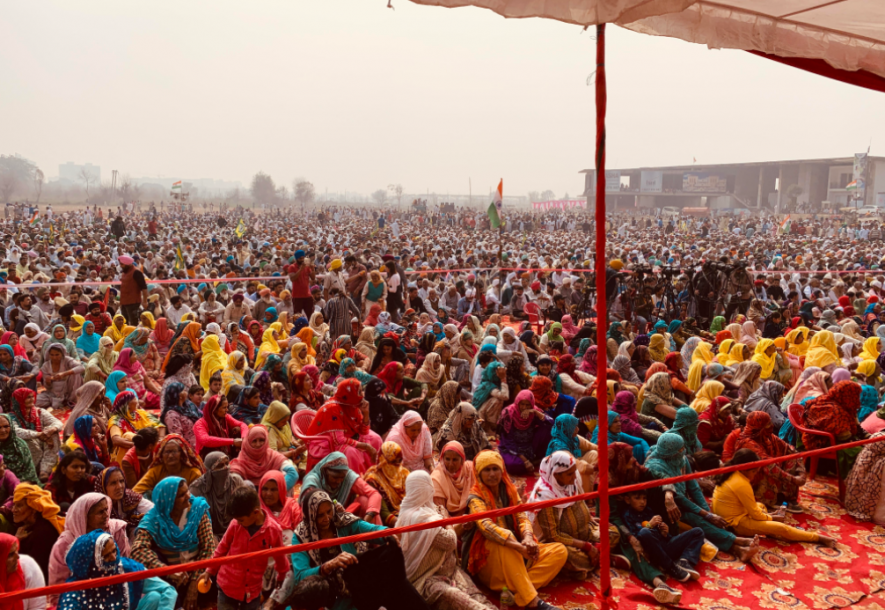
point(492, 514)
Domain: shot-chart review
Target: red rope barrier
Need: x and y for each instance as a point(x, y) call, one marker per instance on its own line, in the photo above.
point(492, 514)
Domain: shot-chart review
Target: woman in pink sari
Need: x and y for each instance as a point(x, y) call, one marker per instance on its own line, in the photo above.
point(569, 330)
point(162, 337)
point(339, 425)
point(139, 382)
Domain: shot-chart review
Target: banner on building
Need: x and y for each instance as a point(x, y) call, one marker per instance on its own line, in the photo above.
point(652, 182)
point(702, 182)
point(560, 204)
point(612, 181)
point(860, 176)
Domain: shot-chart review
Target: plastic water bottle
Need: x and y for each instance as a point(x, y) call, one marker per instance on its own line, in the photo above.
point(507, 599)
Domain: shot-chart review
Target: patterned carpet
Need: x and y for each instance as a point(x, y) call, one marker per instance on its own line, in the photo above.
point(786, 575)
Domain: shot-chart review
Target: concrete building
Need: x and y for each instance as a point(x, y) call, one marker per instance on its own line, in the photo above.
point(773, 186)
point(71, 171)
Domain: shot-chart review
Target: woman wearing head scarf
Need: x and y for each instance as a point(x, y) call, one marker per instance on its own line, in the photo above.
point(162, 540)
point(126, 419)
point(461, 427)
point(316, 575)
point(489, 548)
point(767, 399)
point(614, 434)
point(413, 438)
point(89, 512)
point(102, 361)
point(32, 341)
point(453, 478)
point(554, 335)
point(776, 483)
point(87, 342)
point(749, 334)
point(442, 404)
point(213, 360)
point(347, 369)
point(62, 375)
point(161, 338)
point(19, 572)
point(509, 342)
point(835, 412)
point(256, 457)
point(280, 438)
point(822, 352)
point(59, 337)
point(304, 395)
point(797, 341)
point(217, 486)
point(143, 351)
point(126, 505)
point(668, 461)
point(37, 428)
point(179, 414)
point(687, 352)
point(137, 379)
point(234, 372)
point(747, 379)
point(708, 392)
point(300, 358)
point(333, 476)
point(715, 424)
point(658, 400)
point(36, 518)
point(388, 477)
point(634, 423)
point(172, 457)
point(570, 523)
point(863, 489)
point(338, 425)
point(491, 394)
point(248, 408)
point(658, 348)
point(523, 434)
point(16, 455)
point(430, 555)
point(187, 343)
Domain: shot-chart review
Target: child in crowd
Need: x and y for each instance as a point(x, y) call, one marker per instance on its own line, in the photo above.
point(675, 555)
point(195, 395)
point(239, 583)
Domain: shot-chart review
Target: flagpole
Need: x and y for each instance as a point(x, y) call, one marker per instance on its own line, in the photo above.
point(601, 322)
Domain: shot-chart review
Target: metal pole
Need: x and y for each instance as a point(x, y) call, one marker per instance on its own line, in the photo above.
point(601, 322)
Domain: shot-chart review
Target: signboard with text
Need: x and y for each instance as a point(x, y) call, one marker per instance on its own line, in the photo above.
point(652, 182)
point(703, 182)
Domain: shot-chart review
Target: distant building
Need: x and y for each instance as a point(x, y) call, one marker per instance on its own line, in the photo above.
point(71, 171)
point(816, 184)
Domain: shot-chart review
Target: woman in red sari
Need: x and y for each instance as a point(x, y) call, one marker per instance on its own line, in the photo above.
point(304, 393)
point(775, 483)
point(338, 424)
point(835, 412)
point(11, 339)
point(715, 424)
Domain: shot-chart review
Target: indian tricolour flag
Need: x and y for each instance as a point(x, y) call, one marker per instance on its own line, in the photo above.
point(176, 186)
point(35, 218)
point(851, 186)
point(785, 225)
point(494, 210)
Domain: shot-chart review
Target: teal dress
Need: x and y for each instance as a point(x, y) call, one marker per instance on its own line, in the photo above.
point(303, 567)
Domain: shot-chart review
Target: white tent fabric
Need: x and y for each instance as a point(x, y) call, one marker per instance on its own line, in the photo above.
point(847, 34)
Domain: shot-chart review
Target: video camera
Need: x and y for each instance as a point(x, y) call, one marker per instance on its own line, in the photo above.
point(728, 268)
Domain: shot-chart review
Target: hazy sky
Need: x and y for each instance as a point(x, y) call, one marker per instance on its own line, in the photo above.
point(353, 95)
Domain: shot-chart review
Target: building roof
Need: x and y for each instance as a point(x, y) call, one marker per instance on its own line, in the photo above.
point(712, 167)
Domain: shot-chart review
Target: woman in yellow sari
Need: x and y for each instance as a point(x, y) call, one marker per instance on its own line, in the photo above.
point(695, 375)
point(119, 330)
point(724, 348)
point(658, 348)
point(300, 359)
point(822, 352)
point(703, 353)
point(269, 345)
point(797, 341)
point(214, 359)
point(870, 348)
point(765, 356)
point(234, 373)
point(735, 355)
point(709, 392)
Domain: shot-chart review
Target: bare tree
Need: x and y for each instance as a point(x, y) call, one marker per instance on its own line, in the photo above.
point(397, 190)
point(87, 178)
point(380, 196)
point(283, 193)
point(8, 184)
point(534, 196)
point(304, 193)
point(547, 195)
point(14, 172)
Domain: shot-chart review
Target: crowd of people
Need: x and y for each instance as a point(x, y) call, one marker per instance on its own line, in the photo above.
point(242, 382)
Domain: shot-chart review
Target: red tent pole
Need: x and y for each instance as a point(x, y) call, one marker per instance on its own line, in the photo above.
point(601, 324)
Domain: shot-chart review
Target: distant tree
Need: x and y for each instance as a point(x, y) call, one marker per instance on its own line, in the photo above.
point(547, 195)
point(565, 196)
point(126, 188)
point(397, 190)
point(282, 193)
point(534, 196)
point(380, 196)
point(15, 173)
point(263, 188)
point(87, 178)
point(304, 192)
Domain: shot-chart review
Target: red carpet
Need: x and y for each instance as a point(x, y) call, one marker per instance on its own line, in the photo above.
point(784, 575)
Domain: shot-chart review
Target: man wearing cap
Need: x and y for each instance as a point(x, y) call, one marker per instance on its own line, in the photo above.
point(133, 290)
point(302, 275)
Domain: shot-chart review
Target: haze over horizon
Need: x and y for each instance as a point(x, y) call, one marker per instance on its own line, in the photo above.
point(355, 96)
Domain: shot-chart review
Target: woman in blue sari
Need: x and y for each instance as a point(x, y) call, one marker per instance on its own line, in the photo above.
point(640, 447)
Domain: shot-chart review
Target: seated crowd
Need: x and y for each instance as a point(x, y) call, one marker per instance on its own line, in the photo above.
point(136, 446)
